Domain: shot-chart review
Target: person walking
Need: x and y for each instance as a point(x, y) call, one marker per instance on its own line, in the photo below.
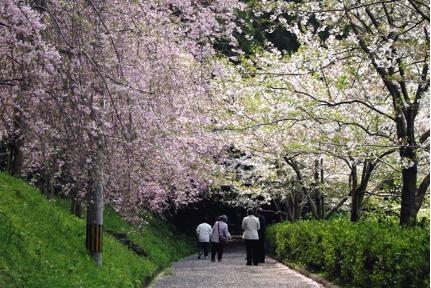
point(261, 233)
point(219, 238)
point(203, 232)
point(250, 225)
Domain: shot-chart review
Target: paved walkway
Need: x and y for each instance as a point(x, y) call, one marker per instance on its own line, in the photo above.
point(231, 273)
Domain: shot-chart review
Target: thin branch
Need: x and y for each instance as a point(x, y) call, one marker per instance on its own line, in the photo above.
point(107, 31)
point(372, 18)
point(363, 128)
point(416, 7)
point(261, 124)
point(334, 104)
point(5, 25)
point(336, 207)
point(10, 82)
point(422, 189)
point(381, 195)
point(346, 9)
point(274, 212)
point(276, 74)
point(424, 136)
point(56, 24)
point(364, 24)
point(424, 74)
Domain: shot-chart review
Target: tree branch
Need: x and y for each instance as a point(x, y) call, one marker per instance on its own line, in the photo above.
point(334, 104)
point(424, 74)
point(424, 136)
point(420, 194)
point(336, 207)
point(292, 163)
point(416, 7)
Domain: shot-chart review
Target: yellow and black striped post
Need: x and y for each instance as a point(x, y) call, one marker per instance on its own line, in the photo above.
point(94, 238)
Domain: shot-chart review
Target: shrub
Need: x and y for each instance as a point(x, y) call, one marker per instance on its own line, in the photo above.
point(371, 253)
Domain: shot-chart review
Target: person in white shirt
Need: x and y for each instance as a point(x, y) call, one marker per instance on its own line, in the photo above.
point(251, 225)
point(203, 232)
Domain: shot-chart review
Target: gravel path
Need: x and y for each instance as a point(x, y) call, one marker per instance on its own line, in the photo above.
point(231, 272)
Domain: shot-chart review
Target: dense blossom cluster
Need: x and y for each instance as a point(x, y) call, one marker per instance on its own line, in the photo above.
point(112, 92)
point(130, 93)
point(354, 93)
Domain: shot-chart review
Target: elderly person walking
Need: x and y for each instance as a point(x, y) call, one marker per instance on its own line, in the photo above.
point(204, 232)
point(219, 238)
point(250, 225)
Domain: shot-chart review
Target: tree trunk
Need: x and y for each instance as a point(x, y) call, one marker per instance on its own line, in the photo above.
point(322, 196)
point(292, 163)
point(355, 212)
point(297, 204)
point(94, 233)
point(76, 205)
point(15, 157)
point(289, 206)
point(410, 169)
point(408, 193)
point(354, 215)
point(47, 188)
point(358, 193)
point(278, 208)
point(317, 196)
point(15, 144)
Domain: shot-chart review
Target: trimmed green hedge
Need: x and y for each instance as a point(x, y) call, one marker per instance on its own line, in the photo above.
point(363, 254)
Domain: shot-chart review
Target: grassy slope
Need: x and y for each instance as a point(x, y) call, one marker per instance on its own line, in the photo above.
point(42, 245)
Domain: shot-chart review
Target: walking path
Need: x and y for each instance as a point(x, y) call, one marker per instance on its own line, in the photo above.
point(232, 273)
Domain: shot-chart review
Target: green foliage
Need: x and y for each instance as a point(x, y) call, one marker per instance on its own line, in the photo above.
point(342, 82)
point(372, 253)
point(161, 243)
point(42, 245)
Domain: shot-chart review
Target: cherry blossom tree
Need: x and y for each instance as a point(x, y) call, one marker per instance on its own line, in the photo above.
point(27, 61)
point(358, 69)
point(121, 107)
point(383, 37)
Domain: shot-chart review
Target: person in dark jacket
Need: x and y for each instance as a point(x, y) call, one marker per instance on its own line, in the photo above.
point(261, 232)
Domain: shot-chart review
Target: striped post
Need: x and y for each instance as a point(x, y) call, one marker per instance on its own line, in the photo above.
point(94, 238)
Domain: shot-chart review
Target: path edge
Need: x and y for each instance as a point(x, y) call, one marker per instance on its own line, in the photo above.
point(153, 281)
point(308, 274)
point(166, 271)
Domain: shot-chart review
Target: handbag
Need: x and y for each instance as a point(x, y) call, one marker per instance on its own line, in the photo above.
point(222, 239)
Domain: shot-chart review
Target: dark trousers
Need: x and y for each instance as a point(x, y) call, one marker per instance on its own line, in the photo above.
point(251, 249)
point(261, 250)
point(203, 247)
point(216, 248)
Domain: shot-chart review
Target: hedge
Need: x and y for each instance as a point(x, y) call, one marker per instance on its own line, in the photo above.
point(364, 254)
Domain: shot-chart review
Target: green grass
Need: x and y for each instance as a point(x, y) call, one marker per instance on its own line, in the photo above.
point(156, 237)
point(42, 244)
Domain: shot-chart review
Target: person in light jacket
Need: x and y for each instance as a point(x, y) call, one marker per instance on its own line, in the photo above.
point(219, 229)
point(250, 225)
point(203, 232)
